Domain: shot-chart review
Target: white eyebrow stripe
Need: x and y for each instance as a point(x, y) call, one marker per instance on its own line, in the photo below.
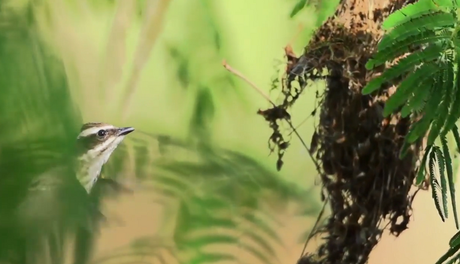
point(93, 130)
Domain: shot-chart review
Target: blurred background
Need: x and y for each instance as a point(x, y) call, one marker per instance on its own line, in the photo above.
point(206, 189)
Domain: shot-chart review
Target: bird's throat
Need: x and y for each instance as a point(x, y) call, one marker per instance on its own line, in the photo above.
point(88, 172)
point(89, 163)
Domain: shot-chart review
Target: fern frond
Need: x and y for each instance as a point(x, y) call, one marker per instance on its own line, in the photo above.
point(446, 88)
point(421, 171)
point(415, 26)
point(408, 86)
point(451, 252)
point(442, 177)
point(257, 253)
point(261, 223)
point(401, 46)
point(411, 11)
point(208, 239)
point(456, 136)
point(455, 240)
point(419, 98)
point(142, 249)
point(454, 260)
point(207, 257)
point(420, 128)
point(434, 183)
point(450, 177)
point(454, 113)
point(261, 242)
point(408, 63)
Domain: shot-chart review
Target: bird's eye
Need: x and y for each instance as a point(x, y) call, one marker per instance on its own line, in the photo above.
point(101, 133)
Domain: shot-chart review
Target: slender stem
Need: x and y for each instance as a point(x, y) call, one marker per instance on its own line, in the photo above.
point(260, 91)
point(237, 73)
point(315, 226)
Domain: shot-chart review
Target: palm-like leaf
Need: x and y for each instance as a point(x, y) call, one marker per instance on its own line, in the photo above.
point(40, 123)
point(430, 89)
point(212, 189)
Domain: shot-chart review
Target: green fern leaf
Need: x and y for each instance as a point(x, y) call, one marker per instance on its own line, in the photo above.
point(450, 177)
point(456, 136)
point(449, 254)
point(455, 240)
point(404, 150)
point(261, 242)
point(212, 258)
point(417, 25)
point(411, 11)
point(261, 223)
point(206, 240)
point(298, 7)
point(442, 176)
point(454, 113)
point(420, 128)
point(408, 86)
point(421, 171)
point(429, 54)
point(257, 253)
point(443, 108)
point(418, 100)
point(401, 46)
point(434, 183)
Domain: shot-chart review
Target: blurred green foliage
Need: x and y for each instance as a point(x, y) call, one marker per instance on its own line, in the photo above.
point(157, 66)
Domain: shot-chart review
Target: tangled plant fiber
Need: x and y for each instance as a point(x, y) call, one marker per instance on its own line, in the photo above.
point(367, 185)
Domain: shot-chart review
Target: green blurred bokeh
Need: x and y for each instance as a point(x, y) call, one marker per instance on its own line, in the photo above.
point(157, 66)
point(108, 46)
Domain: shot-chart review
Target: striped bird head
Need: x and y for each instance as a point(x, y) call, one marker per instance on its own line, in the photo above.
point(95, 144)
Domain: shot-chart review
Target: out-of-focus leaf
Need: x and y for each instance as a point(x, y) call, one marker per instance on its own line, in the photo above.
point(203, 114)
point(211, 258)
point(39, 125)
point(298, 7)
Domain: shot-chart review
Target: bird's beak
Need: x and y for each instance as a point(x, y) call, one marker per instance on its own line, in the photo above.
point(123, 131)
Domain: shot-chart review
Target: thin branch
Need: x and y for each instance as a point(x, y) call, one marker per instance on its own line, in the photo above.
point(260, 91)
point(301, 123)
point(237, 73)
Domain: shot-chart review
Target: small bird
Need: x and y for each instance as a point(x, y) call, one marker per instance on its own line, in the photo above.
point(95, 144)
point(57, 201)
